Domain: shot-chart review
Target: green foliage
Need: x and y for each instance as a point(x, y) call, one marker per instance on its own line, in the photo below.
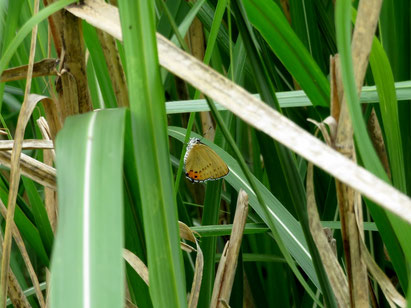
point(123, 169)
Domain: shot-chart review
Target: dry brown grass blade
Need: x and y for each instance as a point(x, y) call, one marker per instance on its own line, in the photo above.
point(255, 112)
point(45, 133)
point(46, 67)
point(334, 271)
point(27, 144)
point(15, 292)
point(20, 244)
point(390, 292)
point(187, 234)
point(196, 43)
point(74, 63)
point(374, 129)
point(129, 304)
point(219, 276)
point(138, 265)
point(55, 23)
point(50, 195)
point(115, 68)
point(225, 279)
point(32, 168)
point(25, 112)
point(71, 85)
point(53, 116)
point(67, 92)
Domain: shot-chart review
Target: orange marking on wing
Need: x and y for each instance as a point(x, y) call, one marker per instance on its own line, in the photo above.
point(195, 175)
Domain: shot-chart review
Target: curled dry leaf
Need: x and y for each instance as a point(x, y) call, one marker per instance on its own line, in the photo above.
point(136, 264)
point(328, 137)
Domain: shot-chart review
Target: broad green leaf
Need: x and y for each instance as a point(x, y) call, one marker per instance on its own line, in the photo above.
point(87, 267)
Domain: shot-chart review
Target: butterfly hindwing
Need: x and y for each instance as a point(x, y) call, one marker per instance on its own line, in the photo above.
point(203, 164)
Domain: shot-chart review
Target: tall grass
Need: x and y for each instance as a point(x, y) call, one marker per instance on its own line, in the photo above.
point(114, 179)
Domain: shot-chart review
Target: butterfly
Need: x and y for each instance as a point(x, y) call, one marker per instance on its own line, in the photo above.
point(202, 164)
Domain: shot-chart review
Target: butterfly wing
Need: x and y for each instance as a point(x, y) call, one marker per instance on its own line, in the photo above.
point(203, 164)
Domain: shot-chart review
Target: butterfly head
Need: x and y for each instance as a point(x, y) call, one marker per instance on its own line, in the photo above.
point(191, 143)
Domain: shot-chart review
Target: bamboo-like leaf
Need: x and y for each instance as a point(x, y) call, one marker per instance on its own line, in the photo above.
point(89, 155)
point(390, 118)
point(151, 154)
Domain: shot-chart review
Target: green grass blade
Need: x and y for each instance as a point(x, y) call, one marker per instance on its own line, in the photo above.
point(26, 227)
point(148, 122)
point(100, 66)
point(89, 155)
point(185, 24)
point(9, 26)
point(267, 17)
point(389, 111)
point(40, 214)
point(384, 81)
